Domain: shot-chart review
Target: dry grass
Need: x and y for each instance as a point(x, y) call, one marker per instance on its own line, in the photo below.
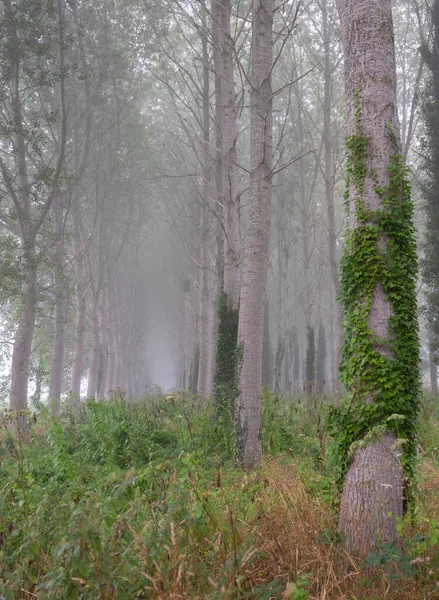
point(283, 530)
point(287, 542)
point(289, 529)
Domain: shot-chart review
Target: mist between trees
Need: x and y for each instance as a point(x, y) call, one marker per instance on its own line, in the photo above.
point(223, 197)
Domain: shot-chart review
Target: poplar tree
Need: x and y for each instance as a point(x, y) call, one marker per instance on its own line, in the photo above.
point(378, 417)
point(248, 407)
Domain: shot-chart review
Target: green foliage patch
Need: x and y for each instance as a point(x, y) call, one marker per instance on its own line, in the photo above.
point(142, 501)
point(226, 384)
point(381, 375)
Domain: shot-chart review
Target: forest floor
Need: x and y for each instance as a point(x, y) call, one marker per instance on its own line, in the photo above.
point(131, 501)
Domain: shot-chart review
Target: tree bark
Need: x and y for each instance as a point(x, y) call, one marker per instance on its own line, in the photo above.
point(251, 312)
point(103, 339)
point(329, 191)
point(218, 208)
point(204, 284)
point(226, 46)
point(78, 262)
point(372, 494)
point(25, 330)
point(432, 364)
point(281, 294)
point(111, 343)
point(58, 346)
point(187, 331)
point(213, 324)
point(95, 349)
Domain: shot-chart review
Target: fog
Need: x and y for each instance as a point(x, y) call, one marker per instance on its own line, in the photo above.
point(126, 187)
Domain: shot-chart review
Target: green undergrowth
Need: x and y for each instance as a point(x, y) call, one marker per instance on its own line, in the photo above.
point(142, 501)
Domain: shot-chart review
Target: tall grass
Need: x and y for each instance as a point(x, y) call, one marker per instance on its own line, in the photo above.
point(126, 501)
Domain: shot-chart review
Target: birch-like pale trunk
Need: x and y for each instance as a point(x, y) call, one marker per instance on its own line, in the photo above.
point(372, 495)
point(232, 245)
point(111, 344)
point(204, 282)
point(251, 311)
point(24, 333)
point(187, 332)
point(80, 280)
point(218, 207)
point(92, 382)
point(78, 251)
point(432, 364)
point(329, 193)
point(213, 324)
point(281, 332)
point(281, 365)
point(204, 311)
point(118, 343)
point(305, 214)
point(58, 345)
point(103, 339)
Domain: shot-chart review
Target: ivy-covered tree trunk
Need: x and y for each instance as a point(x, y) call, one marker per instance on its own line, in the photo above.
point(193, 374)
point(226, 115)
point(218, 203)
point(251, 311)
point(377, 419)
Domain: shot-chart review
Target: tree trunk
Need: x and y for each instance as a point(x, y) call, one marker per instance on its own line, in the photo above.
point(204, 284)
point(103, 341)
point(381, 353)
point(111, 344)
point(219, 204)
point(25, 331)
point(118, 343)
point(278, 361)
point(320, 360)
point(187, 331)
point(95, 350)
point(329, 191)
point(372, 497)
point(204, 316)
point(230, 134)
point(213, 324)
point(267, 358)
point(78, 261)
point(251, 311)
point(432, 364)
point(30, 215)
point(281, 281)
point(57, 359)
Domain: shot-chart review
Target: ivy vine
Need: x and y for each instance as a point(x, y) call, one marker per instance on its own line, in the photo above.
point(225, 374)
point(382, 388)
